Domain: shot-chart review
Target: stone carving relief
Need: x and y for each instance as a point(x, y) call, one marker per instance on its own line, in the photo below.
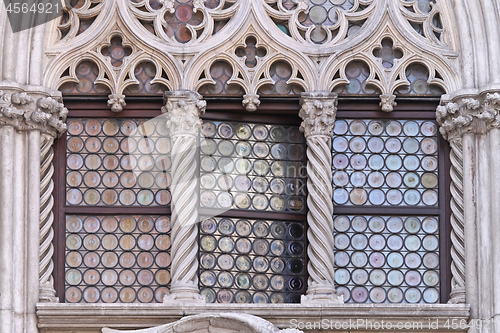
point(254, 48)
point(424, 17)
point(183, 22)
point(25, 111)
point(257, 69)
point(387, 68)
point(79, 18)
point(320, 22)
point(469, 115)
point(221, 322)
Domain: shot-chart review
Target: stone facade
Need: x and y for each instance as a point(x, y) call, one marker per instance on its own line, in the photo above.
point(460, 54)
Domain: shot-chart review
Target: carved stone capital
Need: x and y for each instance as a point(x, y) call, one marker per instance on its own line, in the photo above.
point(318, 111)
point(183, 109)
point(387, 102)
point(28, 110)
point(477, 114)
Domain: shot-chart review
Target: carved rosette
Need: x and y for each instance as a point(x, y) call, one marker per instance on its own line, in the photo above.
point(183, 109)
point(462, 116)
point(318, 114)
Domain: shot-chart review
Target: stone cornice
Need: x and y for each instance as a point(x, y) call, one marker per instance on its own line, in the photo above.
point(318, 111)
point(470, 114)
point(32, 110)
point(183, 109)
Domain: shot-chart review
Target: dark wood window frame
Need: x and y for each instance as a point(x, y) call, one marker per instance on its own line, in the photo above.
point(273, 111)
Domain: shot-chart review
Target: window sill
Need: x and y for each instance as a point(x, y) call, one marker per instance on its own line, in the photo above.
point(80, 318)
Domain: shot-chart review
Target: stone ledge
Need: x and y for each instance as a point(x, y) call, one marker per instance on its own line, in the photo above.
point(86, 318)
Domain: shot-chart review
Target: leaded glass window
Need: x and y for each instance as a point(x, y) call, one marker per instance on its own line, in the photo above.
point(389, 204)
point(255, 251)
point(115, 210)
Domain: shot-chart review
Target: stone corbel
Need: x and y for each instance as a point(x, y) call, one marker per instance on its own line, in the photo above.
point(251, 102)
point(116, 102)
point(318, 111)
point(387, 102)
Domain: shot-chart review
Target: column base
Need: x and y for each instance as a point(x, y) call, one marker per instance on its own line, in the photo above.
point(188, 295)
point(457, 296)
point(321, 294)
point(47, 294)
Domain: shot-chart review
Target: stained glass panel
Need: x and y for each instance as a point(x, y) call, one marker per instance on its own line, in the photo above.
point(102, 162)
point(117, 259)
point(252, 167)
point(385, 163)
point(252, 261)
point(387, 259)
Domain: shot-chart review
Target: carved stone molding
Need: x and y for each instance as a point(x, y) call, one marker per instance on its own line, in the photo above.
point(28, 110)
point(183, 109)
point(471, 114)
point(318, 114)
point(222, 322)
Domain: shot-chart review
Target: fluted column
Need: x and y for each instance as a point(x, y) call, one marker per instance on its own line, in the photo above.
point(183, 109)
point(26, 114)
point(318, 112)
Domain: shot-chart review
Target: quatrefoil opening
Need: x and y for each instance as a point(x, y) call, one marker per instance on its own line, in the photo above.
point(116, 51)
point(388, 53)
point(251, 52)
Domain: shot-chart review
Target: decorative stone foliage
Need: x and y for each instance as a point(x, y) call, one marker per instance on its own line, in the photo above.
point(256, 48)
point(32, 111)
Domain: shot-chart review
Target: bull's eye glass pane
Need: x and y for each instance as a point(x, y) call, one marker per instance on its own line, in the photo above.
point(252, 167)
point(252, 261)
point(117, 162)
point(117, 259)
point(387, 259)
point(385, 163)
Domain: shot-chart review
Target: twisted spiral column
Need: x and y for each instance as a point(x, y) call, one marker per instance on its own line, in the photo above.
point(318, 114)
point(47, 291)
point(457, 223)
point(183, 110)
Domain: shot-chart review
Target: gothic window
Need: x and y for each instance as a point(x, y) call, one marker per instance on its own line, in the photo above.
point(389, 176)
point(113, 207)
point(253, 171)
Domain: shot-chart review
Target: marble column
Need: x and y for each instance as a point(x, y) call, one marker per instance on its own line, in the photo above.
point(26, 114)
point(318, 110)
point(183, 109)
point(472, 125)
